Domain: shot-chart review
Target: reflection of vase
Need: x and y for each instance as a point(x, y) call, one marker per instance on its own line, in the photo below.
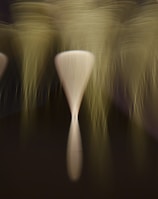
point(3, 63)
point(74, 69)
point(150, 120)
point(34, 34)
point(137, 77)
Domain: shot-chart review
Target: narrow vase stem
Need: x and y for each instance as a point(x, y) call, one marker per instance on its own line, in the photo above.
point(74, 151)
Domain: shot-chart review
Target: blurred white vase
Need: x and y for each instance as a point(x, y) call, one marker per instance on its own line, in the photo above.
point(74, 69)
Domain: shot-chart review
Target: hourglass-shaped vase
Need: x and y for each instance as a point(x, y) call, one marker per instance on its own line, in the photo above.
point(74, 69)
point(3, 64)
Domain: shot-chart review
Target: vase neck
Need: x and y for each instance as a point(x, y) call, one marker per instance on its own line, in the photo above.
point(74, 116)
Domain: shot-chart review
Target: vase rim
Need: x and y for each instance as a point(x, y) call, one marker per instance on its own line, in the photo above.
point(76, 52)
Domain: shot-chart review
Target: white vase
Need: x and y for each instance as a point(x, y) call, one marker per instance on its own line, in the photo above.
point(74, 69)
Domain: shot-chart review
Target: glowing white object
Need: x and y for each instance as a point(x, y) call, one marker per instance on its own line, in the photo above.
point(74, 69)
point(3, 64)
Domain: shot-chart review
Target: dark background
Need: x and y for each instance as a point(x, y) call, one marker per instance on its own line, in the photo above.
point(37, 169)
